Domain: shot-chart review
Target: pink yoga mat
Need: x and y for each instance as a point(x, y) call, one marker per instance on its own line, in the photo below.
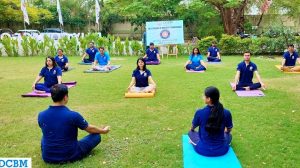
point(152, 62)
point(250, 93)
point(188, 71)
point(34, 94)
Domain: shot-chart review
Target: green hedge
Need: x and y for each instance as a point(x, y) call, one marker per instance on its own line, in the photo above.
point(228, 44)
point(259, 45)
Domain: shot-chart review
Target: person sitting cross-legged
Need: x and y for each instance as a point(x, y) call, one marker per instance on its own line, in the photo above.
point(52, 75)
point(244, 75)
point(102, 61)
point(141, 81)
point(195, 62)
point(62, 60)
point(91, 52)
point(152, 54)
point(213, 137)
point(213, 53)
point(290, 57)
point(60, 125)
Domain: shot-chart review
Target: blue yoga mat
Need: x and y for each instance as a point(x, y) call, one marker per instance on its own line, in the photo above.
point(83, 63)
point(191, 159)
point(210, 62)
point(114, 67)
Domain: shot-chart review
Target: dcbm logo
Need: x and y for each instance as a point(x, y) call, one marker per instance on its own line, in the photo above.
point(15, 162)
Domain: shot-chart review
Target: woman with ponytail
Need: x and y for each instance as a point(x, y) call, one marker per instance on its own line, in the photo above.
point(215, 124)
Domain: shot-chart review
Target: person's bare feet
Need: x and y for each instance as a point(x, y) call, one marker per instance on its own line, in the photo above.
point(247, 88)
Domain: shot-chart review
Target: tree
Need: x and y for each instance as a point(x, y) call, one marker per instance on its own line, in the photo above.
point(205, 23)
point(10, 12)
point(231, 12)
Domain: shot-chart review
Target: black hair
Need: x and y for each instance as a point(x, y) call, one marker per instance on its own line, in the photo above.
point(58, 92)
point(152, 43)
point(215, 119)
point(53, 61)
point(247, 52)
point(137, 64)
point(291, 45)
point(198, 51)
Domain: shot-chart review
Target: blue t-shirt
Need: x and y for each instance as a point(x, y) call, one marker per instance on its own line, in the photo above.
point(50, 75)
point(141, 79)
point(152, 55)
point(211, 145)
point(60, 129)
point(102, 59)
point(91, 52)
point(213, 51)
point(246, 72)
point(196, 59)
point(290, 60)
point(61, 62)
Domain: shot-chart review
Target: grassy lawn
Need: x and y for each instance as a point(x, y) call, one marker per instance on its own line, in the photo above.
point(147, 132)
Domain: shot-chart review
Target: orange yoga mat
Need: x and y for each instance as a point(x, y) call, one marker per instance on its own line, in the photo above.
point(139, 95)
point(279, 66)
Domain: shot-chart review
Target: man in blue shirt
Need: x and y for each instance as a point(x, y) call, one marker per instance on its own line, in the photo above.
point(60, 125)
point(91, 52)
point(213, 53)
point(289, 60)
point(244, 75)
point(102, 60)
point(152, 54)
point(62, 60)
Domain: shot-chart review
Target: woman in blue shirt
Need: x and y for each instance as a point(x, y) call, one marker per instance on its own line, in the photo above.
point(141, 81)
point(51, 74)
point(195, 62)
point(62, 60)
point(215, 124)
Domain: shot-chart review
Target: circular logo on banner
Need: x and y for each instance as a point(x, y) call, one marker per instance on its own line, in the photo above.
point(165, 34)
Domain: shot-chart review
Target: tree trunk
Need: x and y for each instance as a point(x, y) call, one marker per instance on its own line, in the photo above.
point(228, 21)
point(233, 18)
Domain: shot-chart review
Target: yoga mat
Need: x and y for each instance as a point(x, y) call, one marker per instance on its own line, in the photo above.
point(83, 63)
point(139, 95)
point(191, 159)
point(113, 67)
point(279, 66)
point(34, 94)
point(152, 62)
point(250, 93)
point(210, 62)
point(189, 71)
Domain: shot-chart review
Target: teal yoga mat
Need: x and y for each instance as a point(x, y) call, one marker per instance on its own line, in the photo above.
point(83, 63)
point(191, 159)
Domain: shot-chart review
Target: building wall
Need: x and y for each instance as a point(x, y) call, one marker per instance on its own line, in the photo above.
point(273, 20)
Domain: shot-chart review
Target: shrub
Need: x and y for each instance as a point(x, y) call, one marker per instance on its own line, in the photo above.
point(119, 47)
point(33, 46)
point(205, 43)
point(228, 44)
point(127, 46)
point(25, 45)
point(8, 47)
point(136, 47)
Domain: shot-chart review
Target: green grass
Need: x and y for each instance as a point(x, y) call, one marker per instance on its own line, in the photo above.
point(147, 132)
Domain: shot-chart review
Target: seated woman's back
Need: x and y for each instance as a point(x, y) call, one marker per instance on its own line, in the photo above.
point(214, 124)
